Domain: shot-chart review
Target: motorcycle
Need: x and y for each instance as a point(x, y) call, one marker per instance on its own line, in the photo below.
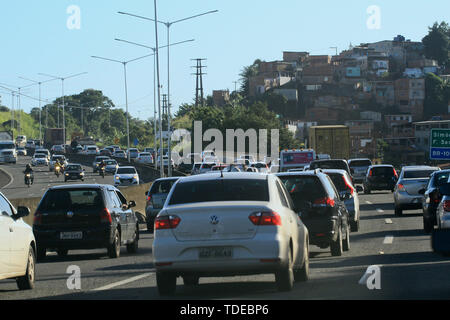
point(57, 171)
point(28, 179)
point(101, 171)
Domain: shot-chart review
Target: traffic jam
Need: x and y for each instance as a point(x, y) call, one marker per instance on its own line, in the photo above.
point(248, 217)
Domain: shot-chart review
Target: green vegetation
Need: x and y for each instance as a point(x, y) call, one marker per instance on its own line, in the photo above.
point(30, 127)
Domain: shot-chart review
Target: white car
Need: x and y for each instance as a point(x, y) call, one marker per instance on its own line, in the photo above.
point(165, 160)
point(8, 152)
point(120, 154)
point(91, 150)
point(206, 167)
point(39, 159)
point(126, 176)
point(17, 246)
point(144, 157)
point(44, 151)
point(21, 151)
point(133, 152)
point(226, 224)
point(260, 166)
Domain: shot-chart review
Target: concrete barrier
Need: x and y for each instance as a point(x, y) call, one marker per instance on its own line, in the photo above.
point(136, 193)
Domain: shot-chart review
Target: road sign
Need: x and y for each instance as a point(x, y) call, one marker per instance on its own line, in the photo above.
point(116, 140)
point(136, 142)
point(440, 144)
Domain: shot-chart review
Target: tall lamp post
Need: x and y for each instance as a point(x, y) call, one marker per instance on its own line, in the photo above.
point(154, 82)
point(124, 63)
point(62, 87)
point(168, 25)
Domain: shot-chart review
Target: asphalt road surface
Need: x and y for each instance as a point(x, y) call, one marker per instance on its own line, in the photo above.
point(43, 179)
point(398, 245)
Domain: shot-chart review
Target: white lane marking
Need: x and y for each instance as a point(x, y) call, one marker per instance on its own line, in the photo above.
point(380, 210)
point(388, 240)
point(123, 282)
point(388, 221)
point(368, 202)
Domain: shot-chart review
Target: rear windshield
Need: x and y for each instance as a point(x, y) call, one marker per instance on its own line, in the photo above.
point(360, 163)
point(338, 181)
point(145, 154)
point(441, 178)
point(329, 165)
point(110, 162)
point(220, 190)
point(208, 165)
point(126, 171)
point(162, 186)
point(92, 148)
point(383, 171)
point(259, 165)
point(445, 189)
point(40, 156)
point(417, 174)
point(71, 199)
point(303, 188)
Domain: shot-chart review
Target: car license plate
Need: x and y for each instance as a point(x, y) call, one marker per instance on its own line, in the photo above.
point(71, 235)
point(214, 253)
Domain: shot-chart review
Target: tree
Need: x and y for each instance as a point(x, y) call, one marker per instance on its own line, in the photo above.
point(437, 43)
point(246, 74)
point(436, 96)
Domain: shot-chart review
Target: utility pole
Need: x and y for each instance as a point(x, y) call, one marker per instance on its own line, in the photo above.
point(199, 94)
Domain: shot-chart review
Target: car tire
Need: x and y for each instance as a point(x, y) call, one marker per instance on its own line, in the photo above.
point(398, 211)
point(354, 226)
point(302, 274)
point(428, 225)
point(41, 253)
point(114, 247)
point(62, 252)
point(284, 277)
point(336, 246)
point(346, 242)
point(192, 280)
point(166, 282)
point(26, 282)
point(134, 246)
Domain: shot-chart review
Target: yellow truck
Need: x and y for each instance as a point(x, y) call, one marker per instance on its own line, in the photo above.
point(332, 140)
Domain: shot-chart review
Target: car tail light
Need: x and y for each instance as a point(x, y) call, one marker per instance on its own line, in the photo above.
point(167, 222)
point(447, 205)
point(269, 218)
point(37, 218)
point(395, 173)
point(350, 187)
point(400, 187)
point(149, 198)
point(370, 173)
point(324, 202)
point(105, 216)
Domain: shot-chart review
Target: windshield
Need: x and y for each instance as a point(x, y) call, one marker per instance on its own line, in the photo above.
point(360, 163)
point(417, 174)
point(332, 164)
point(126, 171)
point(74, 168)
point(220, 190)
point(162, 186)
point(64, 200)
point(7, 146)
point(303, 189)
point(383, 171)
point(40, 156)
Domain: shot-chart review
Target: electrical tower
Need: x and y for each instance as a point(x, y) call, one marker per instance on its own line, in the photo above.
point(199, 95)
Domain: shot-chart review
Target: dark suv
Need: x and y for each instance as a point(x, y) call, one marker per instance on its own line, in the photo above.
point(339, 164)
point(380, 177)
point(432, 198)
point(321, 209)
point(85, 217)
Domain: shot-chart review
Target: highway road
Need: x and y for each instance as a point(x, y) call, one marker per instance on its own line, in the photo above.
point(408, 268)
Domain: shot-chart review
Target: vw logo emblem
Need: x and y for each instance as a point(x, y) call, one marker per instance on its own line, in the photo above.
point(70, 214)
point(214, 220)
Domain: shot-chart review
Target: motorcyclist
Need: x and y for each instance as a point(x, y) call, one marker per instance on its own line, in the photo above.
point(102, 167)
point(29, 170)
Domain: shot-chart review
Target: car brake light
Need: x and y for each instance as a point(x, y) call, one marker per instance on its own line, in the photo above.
point(395, 173)
point(269, 218)
point(149, 198)
point(37, 218)
point(105, 216)
point(400, 187)
point(348, 185)
point(167, 222)
point(447, 205)
point(324, 202)
point(370, 173)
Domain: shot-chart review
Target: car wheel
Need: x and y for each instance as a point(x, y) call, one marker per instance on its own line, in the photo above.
point(133, 247)
point(284, 278)
point(191, 280)
point(428, 225)
point(354, 226)
point(302, 274)
point(346, 243)
point(166, 282)
point(62, 252)
point(398, 211)
point(41, 253)
point(114, 247)
point(26, 282)
point(336, 246)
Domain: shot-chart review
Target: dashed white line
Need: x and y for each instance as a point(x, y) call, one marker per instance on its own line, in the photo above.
point(388, 240)
point(388, 221)
point(368, 202)
point(123, 282)
point(380, 210)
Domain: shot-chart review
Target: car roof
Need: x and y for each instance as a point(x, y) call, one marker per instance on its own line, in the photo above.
point(81, 186)
point(408, 168)
point(334, 171)
point(382, 165)
point(127, 167)
point(226, 175)
point(359, 159)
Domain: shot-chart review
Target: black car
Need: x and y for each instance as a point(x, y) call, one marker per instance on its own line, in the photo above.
point(85, 217)
point(380, 177)
point(339, 164)
point(321, 209)
point(74, 171)
point(432, 198)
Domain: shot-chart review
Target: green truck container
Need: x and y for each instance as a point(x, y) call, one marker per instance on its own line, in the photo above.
point(332, 140)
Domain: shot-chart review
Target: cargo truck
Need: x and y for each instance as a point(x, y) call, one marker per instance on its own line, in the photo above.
point(296, 159)
point(331, 140)
point(54, 136)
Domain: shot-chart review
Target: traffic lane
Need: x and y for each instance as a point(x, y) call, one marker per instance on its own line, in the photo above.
point(43, 179)
point(96, 269)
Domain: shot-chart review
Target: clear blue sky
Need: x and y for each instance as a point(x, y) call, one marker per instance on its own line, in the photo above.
point(35, 39)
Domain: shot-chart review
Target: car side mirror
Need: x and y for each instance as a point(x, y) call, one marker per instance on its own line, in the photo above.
point(131, 204)
point(22, 212)
point(422, 191)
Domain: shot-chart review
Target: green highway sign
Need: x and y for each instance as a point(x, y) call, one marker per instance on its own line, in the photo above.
point(440, 144)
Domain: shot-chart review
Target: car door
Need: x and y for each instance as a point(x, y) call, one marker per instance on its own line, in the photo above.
point(5, 240)
point(19, 239)
point(118, 214)
point(130, 216)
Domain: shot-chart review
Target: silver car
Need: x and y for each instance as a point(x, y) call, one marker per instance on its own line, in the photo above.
point(358, 168)
point(226, 224)
point(406, 192)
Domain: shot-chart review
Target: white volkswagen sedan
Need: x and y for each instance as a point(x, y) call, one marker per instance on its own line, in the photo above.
point(17, 245)
point(227, 224)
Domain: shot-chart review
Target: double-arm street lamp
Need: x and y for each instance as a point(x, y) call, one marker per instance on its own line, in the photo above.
point(124, 63)
point(63, 98)
point(168, 25)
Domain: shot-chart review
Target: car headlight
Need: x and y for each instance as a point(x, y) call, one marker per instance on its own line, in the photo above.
point(117, 178)
point(135, 177)
point(67, 174)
